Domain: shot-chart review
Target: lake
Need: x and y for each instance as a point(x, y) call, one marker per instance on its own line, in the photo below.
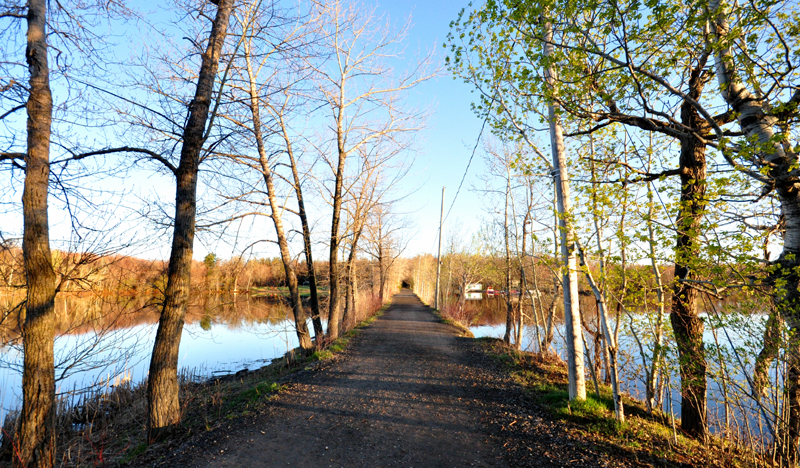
point(103, 340)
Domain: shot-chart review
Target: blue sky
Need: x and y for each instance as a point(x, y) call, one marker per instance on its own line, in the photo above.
point(447, 142)
point(443, 148)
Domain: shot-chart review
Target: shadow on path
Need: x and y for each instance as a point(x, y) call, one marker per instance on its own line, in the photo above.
point(408, 393)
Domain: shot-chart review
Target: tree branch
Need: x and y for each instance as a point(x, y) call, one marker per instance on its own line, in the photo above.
point(14, 109)
point(124, 149)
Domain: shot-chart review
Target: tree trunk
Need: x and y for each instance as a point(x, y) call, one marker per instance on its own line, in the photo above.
point(382, 273)
point(164, 411)
point(301, 328)
point(37, 436)
point(686, 323)
point(523, 284)
point(348, 318)
point(572, 312)
point(509, 305)
point(611, 342)
point(333, 265)
point(301, 212)
point(549, 333)
point(651, 394)
point(770, 350)
point(781, 162)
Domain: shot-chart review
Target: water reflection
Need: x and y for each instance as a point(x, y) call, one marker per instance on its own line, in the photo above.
point(102, 340)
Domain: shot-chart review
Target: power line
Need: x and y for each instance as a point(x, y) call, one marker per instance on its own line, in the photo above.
point(469, 163)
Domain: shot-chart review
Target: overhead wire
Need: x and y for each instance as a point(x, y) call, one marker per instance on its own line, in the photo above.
point(463, 178)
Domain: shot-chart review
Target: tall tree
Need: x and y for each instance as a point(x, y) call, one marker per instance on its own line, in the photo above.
point(164, 411)
point(364, 99)
point(768, 117)
point(385, 239)
point(600, 88)
point(572, 312)
point(291, 48)
point(259, 51)
point(275, 210)
point(37, 423)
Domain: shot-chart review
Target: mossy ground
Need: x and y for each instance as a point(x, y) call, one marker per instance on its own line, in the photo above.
point(651, 438)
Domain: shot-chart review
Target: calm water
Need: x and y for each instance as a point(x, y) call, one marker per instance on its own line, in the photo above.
point(101, 342)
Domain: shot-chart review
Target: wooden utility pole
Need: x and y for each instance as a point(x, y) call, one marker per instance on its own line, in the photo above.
point(439, 255)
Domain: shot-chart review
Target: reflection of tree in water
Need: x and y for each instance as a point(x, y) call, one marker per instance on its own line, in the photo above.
point(107, 334)
point(81, 314)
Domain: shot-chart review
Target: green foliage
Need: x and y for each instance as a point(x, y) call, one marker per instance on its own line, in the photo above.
point(205, 322)
point(321, 355)
point(210, 261)
point(253, 394)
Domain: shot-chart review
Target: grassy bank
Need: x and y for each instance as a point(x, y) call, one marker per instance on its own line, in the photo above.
point(463, 328)
point(654, 440)
point(108, 429)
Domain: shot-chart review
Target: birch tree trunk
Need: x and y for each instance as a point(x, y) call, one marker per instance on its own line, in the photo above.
point(572, 313)
point(164, 410)
point(37, 436)
point(781, 162)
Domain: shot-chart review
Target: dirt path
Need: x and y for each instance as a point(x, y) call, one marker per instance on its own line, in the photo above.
point(408, 392)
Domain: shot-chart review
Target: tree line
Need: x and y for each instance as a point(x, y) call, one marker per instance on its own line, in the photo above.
point(253, 110)
point(672, 140)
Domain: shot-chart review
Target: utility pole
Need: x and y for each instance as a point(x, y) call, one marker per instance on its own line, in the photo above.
point(439, 256)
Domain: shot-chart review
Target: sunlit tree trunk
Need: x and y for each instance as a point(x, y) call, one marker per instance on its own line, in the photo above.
point(572, 313)
point(316, 318)
point(164, 410)
point(301, 328)
point(349, 316)
point(686, 323)
point(334, 312)
point(610, 341)
point(37, 436)
point(382, 271)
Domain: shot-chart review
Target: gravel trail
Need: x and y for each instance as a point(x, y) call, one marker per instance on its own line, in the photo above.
point(408, 392)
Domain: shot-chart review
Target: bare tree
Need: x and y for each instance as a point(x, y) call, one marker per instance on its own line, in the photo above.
point(164, 410)
point(364, 99)
point(37, 425)
point(386, 241)
point(253, 20)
